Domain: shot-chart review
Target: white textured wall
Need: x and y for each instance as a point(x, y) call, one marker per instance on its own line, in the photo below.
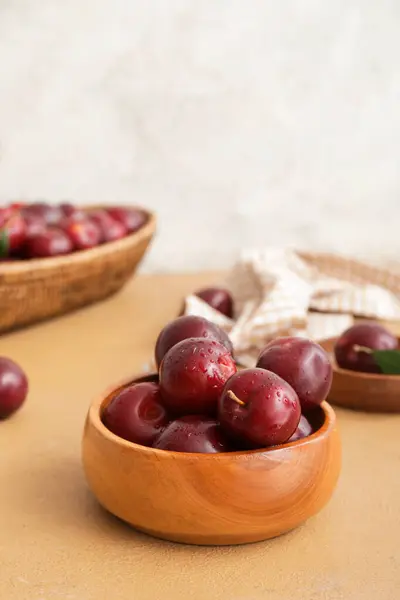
point(239, 122)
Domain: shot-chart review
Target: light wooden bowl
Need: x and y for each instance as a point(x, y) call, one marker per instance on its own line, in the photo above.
point(37, 289)
point(369, 392)
point(211, 499)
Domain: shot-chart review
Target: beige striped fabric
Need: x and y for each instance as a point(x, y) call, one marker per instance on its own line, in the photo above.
point(286, 292)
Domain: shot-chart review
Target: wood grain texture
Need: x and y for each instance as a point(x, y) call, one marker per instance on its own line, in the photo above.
point(368, 392)
point(38, 289)
point(229, 498)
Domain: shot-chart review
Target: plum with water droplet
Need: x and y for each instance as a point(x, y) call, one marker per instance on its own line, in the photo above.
point(258, 409)
point(189, 326)
point(193, 433)
point(193, 374)
point(136, 413)
point(304, 364)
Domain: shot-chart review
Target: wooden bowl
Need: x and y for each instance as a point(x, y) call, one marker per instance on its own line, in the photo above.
point(211, 499)
point(37, 289)
point(369, 392)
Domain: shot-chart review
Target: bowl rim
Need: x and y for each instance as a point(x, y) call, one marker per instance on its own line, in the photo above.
point(379, 377)
point(42, 264)
point(98, 405)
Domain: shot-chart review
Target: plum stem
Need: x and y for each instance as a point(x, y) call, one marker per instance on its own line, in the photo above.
point(233, 397)
point(358, 348)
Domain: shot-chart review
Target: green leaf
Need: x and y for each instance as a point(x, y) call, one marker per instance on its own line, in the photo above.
point(3, 243)
point(388, 361)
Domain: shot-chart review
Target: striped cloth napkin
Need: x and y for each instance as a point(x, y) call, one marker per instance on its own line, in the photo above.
point(280, 291)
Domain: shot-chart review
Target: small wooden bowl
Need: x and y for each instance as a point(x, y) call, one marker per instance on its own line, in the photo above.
point(211, 499)
point(368, 392)
point(38, 289)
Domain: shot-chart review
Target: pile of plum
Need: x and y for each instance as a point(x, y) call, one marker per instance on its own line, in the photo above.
point(39, 230)
point(202, 402)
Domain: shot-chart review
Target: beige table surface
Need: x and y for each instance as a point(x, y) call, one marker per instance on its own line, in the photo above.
point(57, 544)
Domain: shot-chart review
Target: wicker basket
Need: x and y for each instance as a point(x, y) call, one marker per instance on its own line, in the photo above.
point(35, 290)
